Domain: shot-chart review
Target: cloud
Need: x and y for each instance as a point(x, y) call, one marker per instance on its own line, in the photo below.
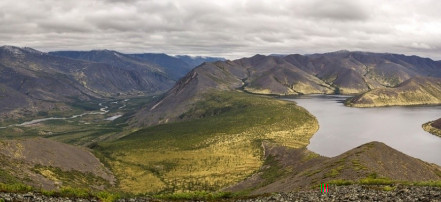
point(229, 28)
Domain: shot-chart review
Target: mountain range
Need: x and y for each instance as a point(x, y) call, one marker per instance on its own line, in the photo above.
point(341, 72)
point(32, 81)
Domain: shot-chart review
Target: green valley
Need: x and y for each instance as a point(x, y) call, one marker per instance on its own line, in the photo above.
point(220, 145)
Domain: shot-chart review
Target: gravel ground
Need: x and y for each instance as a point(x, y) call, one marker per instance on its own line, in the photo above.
point(340, 193)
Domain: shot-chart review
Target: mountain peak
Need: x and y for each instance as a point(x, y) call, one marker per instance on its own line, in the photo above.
point(19, 50)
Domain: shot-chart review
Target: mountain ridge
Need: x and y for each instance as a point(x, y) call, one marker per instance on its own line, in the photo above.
point(303, 169)
point(414, 91)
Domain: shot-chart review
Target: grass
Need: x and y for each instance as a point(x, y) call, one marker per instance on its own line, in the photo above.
point(371, 179)
point(388, 188)
point(273, 171)
point(428, 183)
point(341, 182)
point(107, 196)
point(74, 192)
point(217, 147)
point(15, 188)
point(6, 177)
point(65, 191)
point(199, 195)
point(73, 178)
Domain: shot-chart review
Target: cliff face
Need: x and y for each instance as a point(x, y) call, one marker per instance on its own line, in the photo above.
point(415, 91)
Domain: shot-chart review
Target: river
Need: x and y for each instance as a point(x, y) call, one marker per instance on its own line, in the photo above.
point(103, 110)
point(343, 128)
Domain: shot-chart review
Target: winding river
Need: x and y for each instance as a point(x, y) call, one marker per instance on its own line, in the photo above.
point(103, 110)
point(343, 128)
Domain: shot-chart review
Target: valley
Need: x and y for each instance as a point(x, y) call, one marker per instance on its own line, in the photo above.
point(211, 151)
point(248, 126)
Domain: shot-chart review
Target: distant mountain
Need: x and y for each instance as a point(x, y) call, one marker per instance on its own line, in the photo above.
point(195, 61)
point(172, 67)
point(368, 163)
point(341, 72)
point(414, 91)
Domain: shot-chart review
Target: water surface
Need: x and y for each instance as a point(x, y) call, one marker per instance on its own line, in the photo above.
point(343, 128)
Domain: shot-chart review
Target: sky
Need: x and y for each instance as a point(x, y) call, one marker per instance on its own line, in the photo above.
point(226, 28)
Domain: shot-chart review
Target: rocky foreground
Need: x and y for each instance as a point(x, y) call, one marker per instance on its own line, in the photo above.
point(335, 193)
point(360, 193)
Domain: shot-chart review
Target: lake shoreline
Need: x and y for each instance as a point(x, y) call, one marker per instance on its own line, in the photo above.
point(342, 128)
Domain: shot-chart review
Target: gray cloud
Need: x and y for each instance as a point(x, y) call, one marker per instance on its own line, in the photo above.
point(229, 28)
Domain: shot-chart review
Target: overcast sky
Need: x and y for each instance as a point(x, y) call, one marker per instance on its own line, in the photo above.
point(228, 28)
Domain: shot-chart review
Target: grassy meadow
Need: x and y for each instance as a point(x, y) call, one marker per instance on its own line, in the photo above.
point(217, 143)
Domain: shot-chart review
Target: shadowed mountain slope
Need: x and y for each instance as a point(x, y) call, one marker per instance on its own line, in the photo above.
point(33, 81)
point(373, 162)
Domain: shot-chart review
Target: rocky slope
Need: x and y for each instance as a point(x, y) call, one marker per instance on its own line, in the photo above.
point(414, 91)
point(43, 163)
point(302, 169)
point(339, 72)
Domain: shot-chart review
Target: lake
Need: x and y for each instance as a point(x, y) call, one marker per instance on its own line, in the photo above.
point(343, 128)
